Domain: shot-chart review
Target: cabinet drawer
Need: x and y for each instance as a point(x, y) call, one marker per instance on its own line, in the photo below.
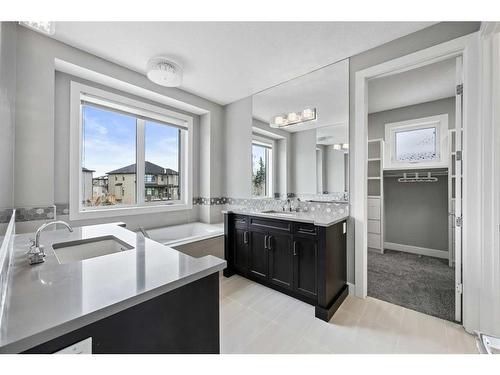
point(374, 212)
point(374, 241)
point(240, 221)
point(305, 228)
point(373, 226)
point(260, 223)
point(374, 202)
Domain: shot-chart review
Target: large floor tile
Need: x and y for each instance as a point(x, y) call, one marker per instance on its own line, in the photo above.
point(274, 339)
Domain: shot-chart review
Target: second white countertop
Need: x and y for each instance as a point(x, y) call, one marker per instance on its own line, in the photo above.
point(47, 300)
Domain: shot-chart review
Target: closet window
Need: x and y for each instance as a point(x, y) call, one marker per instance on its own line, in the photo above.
point(417, 143)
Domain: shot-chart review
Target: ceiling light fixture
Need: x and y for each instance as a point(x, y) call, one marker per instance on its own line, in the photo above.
point(44, 27)
point(292, 118)
point(164, 72)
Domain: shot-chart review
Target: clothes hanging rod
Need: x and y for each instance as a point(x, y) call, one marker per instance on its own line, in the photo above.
point(417, 178)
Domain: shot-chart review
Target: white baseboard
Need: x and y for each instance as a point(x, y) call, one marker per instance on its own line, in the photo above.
point(352, 288)
point(416, 250)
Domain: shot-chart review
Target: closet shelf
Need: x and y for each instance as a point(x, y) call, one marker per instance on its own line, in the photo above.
point(374, 178)
point(374, 159)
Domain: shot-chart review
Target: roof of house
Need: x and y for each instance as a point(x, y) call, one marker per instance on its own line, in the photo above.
point(87, 170)
point(150, 168)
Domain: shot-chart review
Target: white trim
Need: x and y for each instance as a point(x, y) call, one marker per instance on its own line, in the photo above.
point(416, 250)
point(440, 122)
point(352, 288)
point(93, 76)
point(468, 47)
point(186, 173)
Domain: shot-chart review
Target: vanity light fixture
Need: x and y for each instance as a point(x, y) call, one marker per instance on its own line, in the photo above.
point(44, 27)
point(341, 146)
point(292, 118)
point(345, 146)
point(337, 146)
point(164, 72)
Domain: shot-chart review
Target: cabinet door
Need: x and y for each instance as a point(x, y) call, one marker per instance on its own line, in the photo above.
point(305, 254)
point(280, 259)
point(258, 259)
point(240, 255)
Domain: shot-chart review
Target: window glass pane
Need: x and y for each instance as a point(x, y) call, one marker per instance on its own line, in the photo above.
point(260, 162)
point(162, 151)
point(416, 145)
point(108, 158)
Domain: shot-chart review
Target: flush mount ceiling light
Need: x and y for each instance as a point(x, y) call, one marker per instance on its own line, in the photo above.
point(44, 27)
point(292, 118)
point(164, 72)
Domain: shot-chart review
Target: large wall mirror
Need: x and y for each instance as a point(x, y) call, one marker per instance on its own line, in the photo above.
point(300, 144)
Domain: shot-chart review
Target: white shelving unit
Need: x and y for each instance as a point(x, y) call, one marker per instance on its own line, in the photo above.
point(375, 197)
point(451, 197)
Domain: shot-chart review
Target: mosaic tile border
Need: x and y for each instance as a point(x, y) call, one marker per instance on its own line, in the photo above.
point(5, 215)
point(62, 209)
point(35, 213)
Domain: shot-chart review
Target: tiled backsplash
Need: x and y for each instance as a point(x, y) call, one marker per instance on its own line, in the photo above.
point(50, 212)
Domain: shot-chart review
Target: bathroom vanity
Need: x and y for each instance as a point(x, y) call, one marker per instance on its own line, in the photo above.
point(294, 253)
point(112, 288)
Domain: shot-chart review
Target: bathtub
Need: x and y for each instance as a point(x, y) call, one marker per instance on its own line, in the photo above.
point(194, 239)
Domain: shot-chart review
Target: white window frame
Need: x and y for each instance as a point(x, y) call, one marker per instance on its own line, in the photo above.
point(440, 122)
point(135, 107)
point(270, 144)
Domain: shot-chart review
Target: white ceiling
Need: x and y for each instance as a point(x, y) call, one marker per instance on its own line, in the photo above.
point(431, 82)
point(326, 89)
point(227, 61)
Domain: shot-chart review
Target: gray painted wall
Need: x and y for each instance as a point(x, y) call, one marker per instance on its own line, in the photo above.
point(7, 111)
point(422, 39)
point(417, 214)
point(303, 145)
point(35, 141)
point(238, 148)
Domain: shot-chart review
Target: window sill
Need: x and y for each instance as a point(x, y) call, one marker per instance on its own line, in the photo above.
point(126, 211)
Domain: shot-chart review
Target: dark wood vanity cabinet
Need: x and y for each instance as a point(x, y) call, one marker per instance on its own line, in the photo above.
point(305, 261)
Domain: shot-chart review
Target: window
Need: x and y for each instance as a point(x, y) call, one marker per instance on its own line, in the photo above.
point(113, 136)
point(419, 143)
point(261, 169)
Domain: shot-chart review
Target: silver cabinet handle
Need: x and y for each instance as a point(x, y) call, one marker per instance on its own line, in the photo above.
point(295, 248)
point(265, 241)
point(245, 237)
point(269, 242)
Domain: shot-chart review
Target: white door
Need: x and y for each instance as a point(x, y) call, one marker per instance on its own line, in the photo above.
point(458, 188)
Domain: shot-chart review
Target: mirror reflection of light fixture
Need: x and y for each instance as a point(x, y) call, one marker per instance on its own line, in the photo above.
point(292, 118)
point(341, 146)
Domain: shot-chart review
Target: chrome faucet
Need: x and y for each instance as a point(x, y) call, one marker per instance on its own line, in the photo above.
point(36, 253)
point(288, 204)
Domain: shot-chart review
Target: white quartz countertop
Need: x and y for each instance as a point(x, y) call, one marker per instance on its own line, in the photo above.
point(48, 300)
point(317, 218)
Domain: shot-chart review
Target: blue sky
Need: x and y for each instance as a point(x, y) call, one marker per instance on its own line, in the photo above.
point(110, 137)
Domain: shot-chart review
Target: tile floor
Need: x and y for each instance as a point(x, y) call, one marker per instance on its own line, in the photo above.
point(256, 319)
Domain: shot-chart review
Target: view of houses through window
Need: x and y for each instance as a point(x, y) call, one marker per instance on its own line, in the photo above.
point(416, 144)
point(109, 173)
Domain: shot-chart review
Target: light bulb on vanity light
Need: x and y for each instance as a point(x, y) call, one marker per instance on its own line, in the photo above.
point(279, 120)
point(345, 146)
point(292, 117)
point(337, 146)
point(308, 114)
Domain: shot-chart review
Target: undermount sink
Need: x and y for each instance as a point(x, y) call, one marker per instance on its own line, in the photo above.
point(278, 212)
point(75, 251)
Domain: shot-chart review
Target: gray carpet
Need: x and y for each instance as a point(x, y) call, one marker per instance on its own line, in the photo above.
point(419, 283)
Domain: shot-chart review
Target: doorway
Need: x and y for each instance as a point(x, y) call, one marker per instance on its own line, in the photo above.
point(464, 47)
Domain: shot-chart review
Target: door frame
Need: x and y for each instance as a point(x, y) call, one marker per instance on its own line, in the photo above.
point(468, 47)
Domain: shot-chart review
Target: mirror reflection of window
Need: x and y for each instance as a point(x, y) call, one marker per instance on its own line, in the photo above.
point(261, 169)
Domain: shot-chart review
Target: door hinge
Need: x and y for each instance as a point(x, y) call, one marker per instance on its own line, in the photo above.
point(459, 155)
point(460, 89)
point(459, 288)
point(458, 221)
